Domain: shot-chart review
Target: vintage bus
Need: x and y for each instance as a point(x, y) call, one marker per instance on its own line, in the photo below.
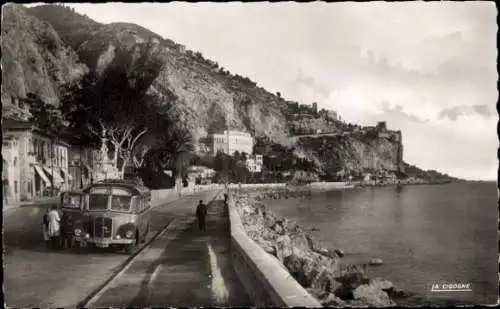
point(114, 213)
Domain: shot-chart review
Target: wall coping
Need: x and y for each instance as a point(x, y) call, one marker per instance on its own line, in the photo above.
point(284, 290)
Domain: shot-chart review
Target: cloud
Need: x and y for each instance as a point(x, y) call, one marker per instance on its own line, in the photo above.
point(313, 87)
point(453, 113)
point(398, 111)
point(483, 110)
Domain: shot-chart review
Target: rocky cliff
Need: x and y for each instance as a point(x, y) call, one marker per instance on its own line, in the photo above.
point(356, 152)
point(34, 58)
point(49, 45)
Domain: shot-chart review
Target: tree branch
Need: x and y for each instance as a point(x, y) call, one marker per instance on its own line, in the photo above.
point(132, 144)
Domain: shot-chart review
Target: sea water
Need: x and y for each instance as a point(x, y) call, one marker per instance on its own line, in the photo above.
point(427, 235)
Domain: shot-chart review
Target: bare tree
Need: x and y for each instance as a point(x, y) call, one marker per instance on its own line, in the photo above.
point(139, 155)
point(126, 150)
point(123, 137)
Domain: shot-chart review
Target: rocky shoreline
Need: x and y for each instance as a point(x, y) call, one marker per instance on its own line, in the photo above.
point(280, 193)
point(320, 270)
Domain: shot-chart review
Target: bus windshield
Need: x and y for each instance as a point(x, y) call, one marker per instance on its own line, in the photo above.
point(98, 202)
point(120, 203)
point(72, 201)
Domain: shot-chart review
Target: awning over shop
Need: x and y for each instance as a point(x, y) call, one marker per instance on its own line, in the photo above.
point(57, 177)
point(63, 173)
point(42, 175)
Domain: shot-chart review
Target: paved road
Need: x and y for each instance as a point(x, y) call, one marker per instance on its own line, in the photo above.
point(183, 267)
point(37, 277)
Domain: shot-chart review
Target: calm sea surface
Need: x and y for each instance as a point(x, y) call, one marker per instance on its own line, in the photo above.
point(424, 234)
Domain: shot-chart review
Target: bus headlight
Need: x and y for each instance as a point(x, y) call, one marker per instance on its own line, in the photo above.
point(78, 232)
point(87, 235)
point(129, 234)
point(117, 237)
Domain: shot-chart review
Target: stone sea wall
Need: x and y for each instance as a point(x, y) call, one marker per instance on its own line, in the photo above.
point(321, 271)
point(160, 197)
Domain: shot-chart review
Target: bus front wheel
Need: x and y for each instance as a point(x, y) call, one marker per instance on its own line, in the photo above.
point(129, 248)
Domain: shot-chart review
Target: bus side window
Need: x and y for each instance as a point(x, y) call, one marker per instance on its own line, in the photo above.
point(141, 204)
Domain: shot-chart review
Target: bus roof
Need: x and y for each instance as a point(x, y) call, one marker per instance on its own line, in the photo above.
point(134, 188)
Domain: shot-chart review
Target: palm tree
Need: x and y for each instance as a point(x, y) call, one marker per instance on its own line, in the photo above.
point(173, 150)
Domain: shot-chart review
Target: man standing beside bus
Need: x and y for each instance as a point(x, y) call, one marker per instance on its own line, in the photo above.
point(201, 214)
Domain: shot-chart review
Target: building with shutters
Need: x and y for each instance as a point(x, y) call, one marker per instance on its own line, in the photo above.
point(231, 141)
point(11, 172)
point(42, 160)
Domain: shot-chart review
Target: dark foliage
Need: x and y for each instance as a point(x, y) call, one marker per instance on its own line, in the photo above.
point(45, 116)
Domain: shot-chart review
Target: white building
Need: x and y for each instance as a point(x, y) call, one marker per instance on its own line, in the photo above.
point(11, 171)
point(231, 141)
point(254, 163)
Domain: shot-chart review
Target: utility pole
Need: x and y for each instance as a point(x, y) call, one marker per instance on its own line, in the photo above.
point(225, 161)
point(52, 163)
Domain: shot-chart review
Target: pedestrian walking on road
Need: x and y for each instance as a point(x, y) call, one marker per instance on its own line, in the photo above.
point(54, 225)
point(201, 214)
point(225, 213)
point(45, 228)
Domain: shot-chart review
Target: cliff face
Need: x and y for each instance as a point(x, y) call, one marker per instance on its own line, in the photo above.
point(46, 46)
point(363, 152)
point(34, 58)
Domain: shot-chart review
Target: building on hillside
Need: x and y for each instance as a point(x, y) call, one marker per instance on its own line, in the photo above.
point(254, 163)
point(231, 141)
point(43, 160)
point(11, 172)
point(329, 114)
point(82, 165)
point(315, 108)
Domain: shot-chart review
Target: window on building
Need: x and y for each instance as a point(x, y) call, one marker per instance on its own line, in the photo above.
point(15, 161)
point(43, 150)
point(15, 186)
point(33, 145)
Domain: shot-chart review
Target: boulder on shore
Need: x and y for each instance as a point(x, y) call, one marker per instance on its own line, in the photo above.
point(326, 299)
point(382, 284)
point(283, 247)
point(339, 252)
point(372, 296)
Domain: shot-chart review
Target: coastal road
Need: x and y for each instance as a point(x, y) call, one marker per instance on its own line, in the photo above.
point(183, 267)
point(37, 277)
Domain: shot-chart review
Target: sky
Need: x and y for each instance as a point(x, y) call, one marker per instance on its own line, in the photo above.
point(427, 68)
